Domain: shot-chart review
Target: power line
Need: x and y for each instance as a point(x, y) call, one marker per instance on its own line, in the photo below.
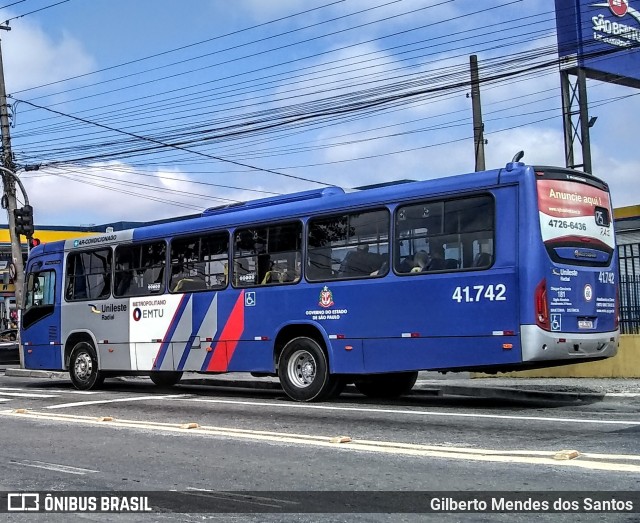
point(36, 11)
point(14, 3)
point(163, 53)
point(163, 144)
point(269, 123)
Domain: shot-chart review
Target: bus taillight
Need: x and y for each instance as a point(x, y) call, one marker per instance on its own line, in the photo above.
point(542, 307)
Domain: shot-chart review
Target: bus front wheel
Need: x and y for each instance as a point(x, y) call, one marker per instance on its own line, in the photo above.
point(387, 385)
point(83, 367)
point(165, 379)
point(303, 368)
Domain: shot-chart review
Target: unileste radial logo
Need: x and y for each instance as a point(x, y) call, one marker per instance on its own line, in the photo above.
point(619, 7)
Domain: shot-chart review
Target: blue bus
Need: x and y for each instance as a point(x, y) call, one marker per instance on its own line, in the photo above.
point(500, 270)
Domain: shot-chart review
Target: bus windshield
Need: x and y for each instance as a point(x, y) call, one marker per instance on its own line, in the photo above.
point(575, 219)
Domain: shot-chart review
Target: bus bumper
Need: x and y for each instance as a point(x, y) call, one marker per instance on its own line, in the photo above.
point(541, 345)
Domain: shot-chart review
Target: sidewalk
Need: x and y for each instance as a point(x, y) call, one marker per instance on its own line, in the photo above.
point(433, 384)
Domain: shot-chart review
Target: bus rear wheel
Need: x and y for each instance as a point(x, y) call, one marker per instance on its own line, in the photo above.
point(387, 385)
point(304, 371)
point(165, 379)
point(83, 367)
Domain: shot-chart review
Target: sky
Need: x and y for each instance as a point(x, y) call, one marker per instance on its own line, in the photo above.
point(137, 111)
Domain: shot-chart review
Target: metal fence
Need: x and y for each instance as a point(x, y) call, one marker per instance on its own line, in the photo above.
point(629, 258)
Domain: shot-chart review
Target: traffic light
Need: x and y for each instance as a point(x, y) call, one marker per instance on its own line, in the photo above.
point(24, 221)
point(33, 242)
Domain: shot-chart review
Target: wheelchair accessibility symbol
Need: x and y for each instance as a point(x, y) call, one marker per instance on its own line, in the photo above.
point(250, 299)
point(556, 322)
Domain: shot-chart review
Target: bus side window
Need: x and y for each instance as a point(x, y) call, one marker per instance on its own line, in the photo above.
point(199, 263)
point(153, 259)
point(352, 245)
point(267, 255)
point(456, 234)
point(124, 270)
point(88, 275)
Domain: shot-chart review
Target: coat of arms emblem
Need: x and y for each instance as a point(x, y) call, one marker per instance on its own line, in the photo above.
point(326, 298)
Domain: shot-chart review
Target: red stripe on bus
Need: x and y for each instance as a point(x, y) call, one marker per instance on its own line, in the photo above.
point(232, 331)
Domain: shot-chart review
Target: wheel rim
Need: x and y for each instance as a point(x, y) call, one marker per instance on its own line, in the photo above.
point(302, 369)
point(83, 366)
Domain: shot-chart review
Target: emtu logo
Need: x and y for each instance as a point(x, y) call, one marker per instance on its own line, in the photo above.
point(619, 7)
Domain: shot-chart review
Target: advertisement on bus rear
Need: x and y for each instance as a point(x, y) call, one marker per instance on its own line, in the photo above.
point(573, 213)
point(577, 229)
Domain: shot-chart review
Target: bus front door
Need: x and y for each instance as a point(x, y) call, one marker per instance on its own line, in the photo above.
point(40, 320)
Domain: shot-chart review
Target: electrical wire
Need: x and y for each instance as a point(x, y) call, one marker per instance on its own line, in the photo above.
point(36, 10)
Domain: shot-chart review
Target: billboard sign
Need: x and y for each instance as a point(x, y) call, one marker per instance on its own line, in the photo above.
point(602, 37)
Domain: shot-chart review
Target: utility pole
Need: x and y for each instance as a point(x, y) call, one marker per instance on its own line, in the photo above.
point(8, 179)
point(478, 126)
point(575, 93)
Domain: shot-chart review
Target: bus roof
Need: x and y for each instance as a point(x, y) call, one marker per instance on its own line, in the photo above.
point(318, 201)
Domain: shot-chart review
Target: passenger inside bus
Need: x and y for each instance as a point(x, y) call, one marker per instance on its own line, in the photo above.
point(420, 261)
point(406, 264)
point(361, 262)
point(482, 259)
point(436, 261)
point(272, 275)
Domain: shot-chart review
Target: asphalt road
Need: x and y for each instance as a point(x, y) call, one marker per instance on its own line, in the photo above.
point(203, 440)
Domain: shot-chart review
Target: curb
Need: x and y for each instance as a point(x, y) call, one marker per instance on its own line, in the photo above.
point(507, 393)
point(426, 388)
point(26, 373)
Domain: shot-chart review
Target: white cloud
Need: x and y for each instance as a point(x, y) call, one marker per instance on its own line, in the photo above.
point(261, 10)
point(111, 192)
point(32, 57)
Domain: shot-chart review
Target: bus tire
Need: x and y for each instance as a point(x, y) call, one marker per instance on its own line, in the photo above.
point(389, 385)
point(83, 367)
point(165, 378)
point(303, 369)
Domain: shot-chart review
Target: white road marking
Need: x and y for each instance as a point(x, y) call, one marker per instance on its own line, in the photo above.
point(56, 467)
point(407, 411)
point(27, 395)
point(57, 391)
point(72, 391)
point(119, 400)
point(534, 457)
point(262, 500)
